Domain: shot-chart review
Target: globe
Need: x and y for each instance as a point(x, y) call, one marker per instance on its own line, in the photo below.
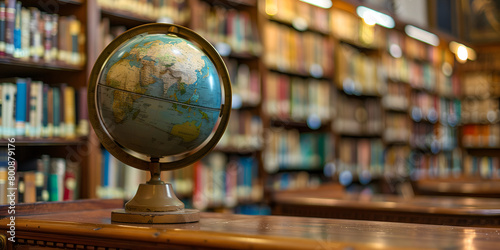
point(159, 95)
point(159, 98)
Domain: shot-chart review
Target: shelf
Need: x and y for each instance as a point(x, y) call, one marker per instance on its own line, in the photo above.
point(298, 29)
point(299, 74)
point(18, 67)
point(290, 123)
point(45, 142)
point(234, 150)
point(233, 3)
point(460, 186)
point(125, 18)
point(359, 46)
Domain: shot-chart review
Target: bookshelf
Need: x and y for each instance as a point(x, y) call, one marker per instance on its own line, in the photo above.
point(43, 76)
point(319, 96)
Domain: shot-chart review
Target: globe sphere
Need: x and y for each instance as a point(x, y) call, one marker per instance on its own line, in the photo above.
point(157, 94)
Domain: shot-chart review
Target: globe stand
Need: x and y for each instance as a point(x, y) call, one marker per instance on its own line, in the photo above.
point(155, 202)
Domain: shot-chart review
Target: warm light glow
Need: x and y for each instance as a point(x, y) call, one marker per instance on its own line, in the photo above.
point(455, 47)
point(462, 53)
point(372, 17)
point(422, 35)
point(395, 51)
point(325, 4)
point(271, 7)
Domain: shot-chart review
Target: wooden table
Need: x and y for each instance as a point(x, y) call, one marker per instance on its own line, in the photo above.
point(91, 228)
point(438, 210)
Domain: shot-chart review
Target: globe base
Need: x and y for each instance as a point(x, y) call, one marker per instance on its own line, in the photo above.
point(182, 216)
point(155, 202)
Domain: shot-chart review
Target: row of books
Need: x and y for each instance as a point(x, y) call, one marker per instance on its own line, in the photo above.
point(481, 136)
point(426, 136)
point(245, 83)
point(220, 181)
point(290, 149)
point(396, 161)
point(356, 116)
point(350, 28)
point(486, 61)
point(362, 157)
point(293, 180)
point(34, 109)
point(302, 15)
point(244, 132)
point(480, 110)
point(228, 29)
point(432, 108)
point(120, 181)
point(432, 166)
point(397, 127)
point(30, 34)
point(421, 75)
point(481, 85)
point(107, 33)
point(358, 73)
point(455, 164)
point(296, 98)
point(396, 97)
point(43, 179)
point(162, 10)
point(417, 50)
point(288, 50)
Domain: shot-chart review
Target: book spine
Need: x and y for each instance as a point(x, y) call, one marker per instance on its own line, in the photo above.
point(62, 107)
point(54, 36)
point(47, 34)
point(50, 112)
point(10, 17)
point(35, 35)
point(45, 111)
point(25, 33)
point(17, 31)
point(39, 180)
point(70, 181)
point(69, 111)
point(20, 112)
point(39, 109)
point(2, 28)
point(83, 125)
point(56, 111)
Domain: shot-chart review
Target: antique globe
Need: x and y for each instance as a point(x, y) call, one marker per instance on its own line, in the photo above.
point(159, 99)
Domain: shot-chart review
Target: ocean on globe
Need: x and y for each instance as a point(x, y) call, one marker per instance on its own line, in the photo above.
point(159, 95)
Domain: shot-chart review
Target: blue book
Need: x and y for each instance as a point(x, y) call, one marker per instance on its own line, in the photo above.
point(56, 111)
point(20, 110)
point(105, 168)
point(45, 110)
point(17, 31)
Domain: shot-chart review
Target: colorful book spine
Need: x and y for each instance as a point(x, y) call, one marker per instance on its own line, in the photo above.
point(21, 109)
point(10, 17)
point(2, 28)
point(17, 31)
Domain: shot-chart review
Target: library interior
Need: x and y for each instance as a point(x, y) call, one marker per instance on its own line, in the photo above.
point(354, 124)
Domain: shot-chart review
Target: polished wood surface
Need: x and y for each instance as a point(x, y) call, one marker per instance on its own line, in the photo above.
point(94, 229)
point(459, 211)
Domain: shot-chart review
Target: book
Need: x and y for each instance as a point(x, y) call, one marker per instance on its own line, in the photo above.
point(21, 109)
point(10, 17)
point(56, 179)
point(17, 53)
point(8, 100)
point(2, 28)
point(69, 112)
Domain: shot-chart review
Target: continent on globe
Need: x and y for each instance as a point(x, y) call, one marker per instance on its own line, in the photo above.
point(159, 90)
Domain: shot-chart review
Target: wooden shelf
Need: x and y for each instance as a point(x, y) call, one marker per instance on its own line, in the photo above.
point(462, 186)
point(125, 18)
point(290, 23)
point(45, 142)
point(17, 67)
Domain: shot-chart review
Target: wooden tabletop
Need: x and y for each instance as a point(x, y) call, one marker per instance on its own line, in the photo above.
point(461, 211)
point(221, 231)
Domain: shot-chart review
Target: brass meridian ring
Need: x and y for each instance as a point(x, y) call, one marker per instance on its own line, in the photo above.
point(95, 119)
